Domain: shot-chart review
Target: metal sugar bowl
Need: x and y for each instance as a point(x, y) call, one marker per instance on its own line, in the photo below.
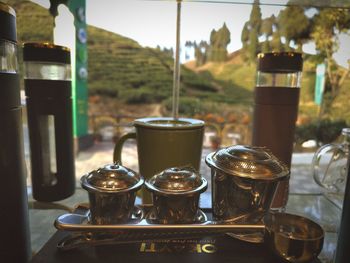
point(112, 191)
point(175, 194)
point(244, 181)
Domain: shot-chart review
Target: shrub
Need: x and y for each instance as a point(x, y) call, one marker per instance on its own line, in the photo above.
point(324, 131)
point(187, 107)
point(137, 96)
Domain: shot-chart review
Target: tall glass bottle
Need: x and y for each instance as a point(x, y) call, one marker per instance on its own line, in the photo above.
point(277, 94)
point(15, 241)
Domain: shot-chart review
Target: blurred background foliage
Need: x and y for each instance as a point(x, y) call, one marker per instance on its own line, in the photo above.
point(216, 82)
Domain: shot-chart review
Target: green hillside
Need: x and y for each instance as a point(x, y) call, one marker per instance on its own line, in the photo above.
point(240, 74)
point(122, 69)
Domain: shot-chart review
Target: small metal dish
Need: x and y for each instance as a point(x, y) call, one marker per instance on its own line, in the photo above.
point(175, 195)
point(293, 238)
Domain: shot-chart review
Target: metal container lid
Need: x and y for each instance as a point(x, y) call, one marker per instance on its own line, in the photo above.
point(112, 178)
point(169, 123)
point(249, 162)
point(177, 181)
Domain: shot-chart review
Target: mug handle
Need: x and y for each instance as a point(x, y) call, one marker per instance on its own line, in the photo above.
point(318, 176)
point(117, 153)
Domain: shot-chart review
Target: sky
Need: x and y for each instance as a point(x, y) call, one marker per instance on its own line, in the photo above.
point(152, 22)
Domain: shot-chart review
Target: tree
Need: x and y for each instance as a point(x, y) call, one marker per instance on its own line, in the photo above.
point(255, 25)
point(253, 44)
point(218, 44)
point(275, 43)
point(265, 46)
point(54, 5)
point(294, 25)
point(250, 33)
point(266, 30)
point(323, 29)
point(200, 52)
point(245, 41)
point(328, 24)
point(267, 27)
point(255, 16)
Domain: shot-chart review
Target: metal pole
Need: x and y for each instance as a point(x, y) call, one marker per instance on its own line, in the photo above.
point(176, 82)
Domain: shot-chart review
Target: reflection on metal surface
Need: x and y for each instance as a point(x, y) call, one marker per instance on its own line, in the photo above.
point(112, 191)
point(244, 181)
point(199, 217)
point(176, 181)
point(175, 195)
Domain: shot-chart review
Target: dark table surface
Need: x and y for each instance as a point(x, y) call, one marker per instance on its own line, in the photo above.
point(218, 249)
point(207, 249)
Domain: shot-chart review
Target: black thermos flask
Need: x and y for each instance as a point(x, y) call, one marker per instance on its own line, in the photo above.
point(14, 226)
point(47, 84)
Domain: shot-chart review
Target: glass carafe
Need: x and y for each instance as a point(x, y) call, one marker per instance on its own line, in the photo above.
point(330, 167)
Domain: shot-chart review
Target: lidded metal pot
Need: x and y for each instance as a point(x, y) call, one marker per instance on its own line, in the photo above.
point(175, 194)
point(112, 191)
point(244, 181)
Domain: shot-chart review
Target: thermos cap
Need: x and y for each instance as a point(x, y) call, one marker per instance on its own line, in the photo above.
point(251, 162)
point(7, 22)
point(177, 181)
point(46, 52)
point(280, 62)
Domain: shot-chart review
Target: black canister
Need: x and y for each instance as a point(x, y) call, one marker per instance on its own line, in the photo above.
point(13, 195)
point(276, 103)
point(50, 121)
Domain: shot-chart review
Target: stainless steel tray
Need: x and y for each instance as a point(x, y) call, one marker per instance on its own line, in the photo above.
point(141, 227)
point(142, 220)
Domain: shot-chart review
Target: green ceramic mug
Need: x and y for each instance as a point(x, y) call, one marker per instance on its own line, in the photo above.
point(164, 143)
